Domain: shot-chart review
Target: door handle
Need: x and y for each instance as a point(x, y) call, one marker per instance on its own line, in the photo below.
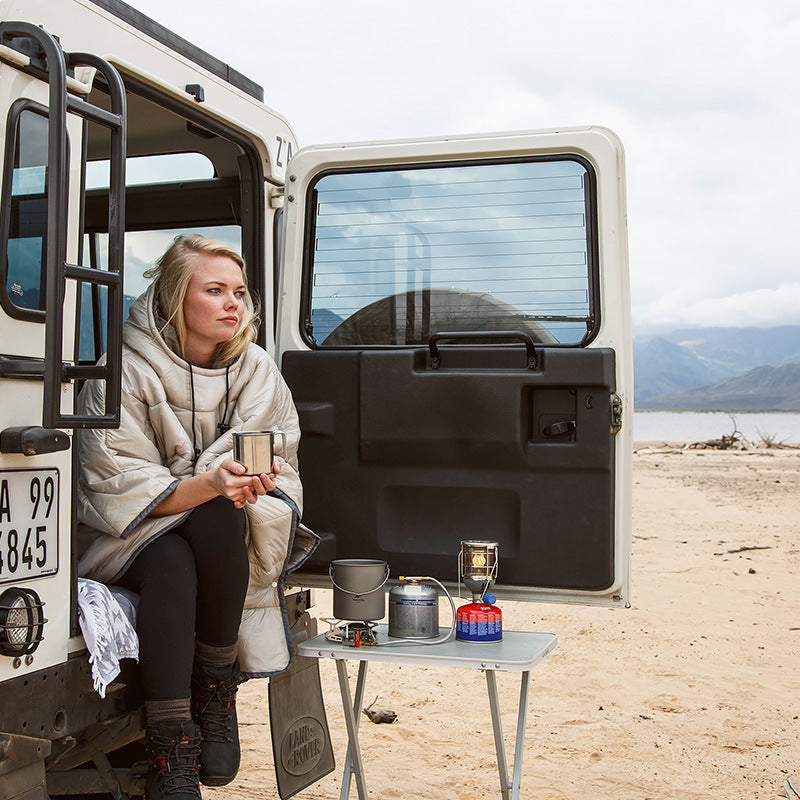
point(481, 337)
point(559, 429)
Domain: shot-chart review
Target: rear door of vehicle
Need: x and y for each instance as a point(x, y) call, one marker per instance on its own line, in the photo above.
point(454, 325)
point(45, 116)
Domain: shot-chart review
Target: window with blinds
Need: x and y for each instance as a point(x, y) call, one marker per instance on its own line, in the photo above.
point(401, 254)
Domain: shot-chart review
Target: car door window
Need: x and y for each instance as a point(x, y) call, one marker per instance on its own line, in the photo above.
point(400, 254)
point(25, 221)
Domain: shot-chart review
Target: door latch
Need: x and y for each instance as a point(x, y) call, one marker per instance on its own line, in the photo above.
point(559, 429)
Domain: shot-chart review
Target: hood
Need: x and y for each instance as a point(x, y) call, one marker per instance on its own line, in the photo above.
point(149, 335)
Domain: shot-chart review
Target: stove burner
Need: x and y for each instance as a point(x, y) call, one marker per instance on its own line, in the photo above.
point(357, 634)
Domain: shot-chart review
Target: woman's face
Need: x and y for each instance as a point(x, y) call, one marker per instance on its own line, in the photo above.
point(213, 306)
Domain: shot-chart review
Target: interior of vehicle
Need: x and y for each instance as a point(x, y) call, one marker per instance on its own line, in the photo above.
point(183, 175)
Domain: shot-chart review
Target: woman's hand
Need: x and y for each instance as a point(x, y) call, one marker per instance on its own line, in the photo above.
point(230, 480)
point(226, 480)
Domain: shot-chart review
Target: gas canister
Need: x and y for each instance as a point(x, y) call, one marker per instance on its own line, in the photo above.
point(479, 622)
point(413, 610)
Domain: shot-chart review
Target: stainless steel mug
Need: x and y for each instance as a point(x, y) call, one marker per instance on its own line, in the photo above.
point(256, 450)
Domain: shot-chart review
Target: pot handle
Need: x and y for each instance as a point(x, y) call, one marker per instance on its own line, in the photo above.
point(357, 594)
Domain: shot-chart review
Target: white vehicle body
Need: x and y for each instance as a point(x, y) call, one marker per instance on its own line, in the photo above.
point(440, 432)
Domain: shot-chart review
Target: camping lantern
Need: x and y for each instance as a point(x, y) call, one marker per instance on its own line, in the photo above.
point(480, 620)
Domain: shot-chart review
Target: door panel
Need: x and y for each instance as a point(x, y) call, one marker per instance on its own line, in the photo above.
point(401, 461)
point(24, 218)
point(455, 333)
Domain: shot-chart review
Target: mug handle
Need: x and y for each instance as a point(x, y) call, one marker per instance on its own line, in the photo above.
point(283, 436)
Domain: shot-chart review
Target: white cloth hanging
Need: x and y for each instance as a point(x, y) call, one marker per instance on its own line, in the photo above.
point(107, 622)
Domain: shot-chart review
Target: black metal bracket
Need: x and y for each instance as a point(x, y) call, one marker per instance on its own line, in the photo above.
point(196, 90)
point(33, 441)
point(22, 368)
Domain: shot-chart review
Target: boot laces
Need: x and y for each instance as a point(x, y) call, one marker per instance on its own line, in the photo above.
point(215, 710)
point(174, 760)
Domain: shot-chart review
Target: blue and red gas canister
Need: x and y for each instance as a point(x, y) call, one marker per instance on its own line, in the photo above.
point(480, 622)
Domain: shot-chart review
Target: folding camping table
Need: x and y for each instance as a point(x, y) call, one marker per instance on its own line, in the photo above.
point(519, 651)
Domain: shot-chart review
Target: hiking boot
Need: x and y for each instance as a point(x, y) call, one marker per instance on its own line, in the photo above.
point(214, 710)
point(173, 749)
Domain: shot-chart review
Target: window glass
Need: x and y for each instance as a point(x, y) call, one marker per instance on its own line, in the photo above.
point(401, 254)
point(142, 248)
point(153, 169)
point(27, 232)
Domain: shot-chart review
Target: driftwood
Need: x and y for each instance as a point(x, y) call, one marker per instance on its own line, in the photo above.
point(737, 441)
point(731, 441)
point(771, 442)
point(663, 449)
point(379, 715)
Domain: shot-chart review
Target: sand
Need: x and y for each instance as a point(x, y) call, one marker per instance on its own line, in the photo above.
point(693, 692)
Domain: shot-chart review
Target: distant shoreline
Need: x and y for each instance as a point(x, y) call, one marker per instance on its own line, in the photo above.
point(716, 410)
point(775, 427)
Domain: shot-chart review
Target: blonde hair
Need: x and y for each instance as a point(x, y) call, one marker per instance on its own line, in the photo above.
point(172, 273)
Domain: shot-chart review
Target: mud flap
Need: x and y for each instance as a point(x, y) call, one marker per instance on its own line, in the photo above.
point(301, 743)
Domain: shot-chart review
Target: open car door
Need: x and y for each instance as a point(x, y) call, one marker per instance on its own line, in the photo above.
point(454, 325)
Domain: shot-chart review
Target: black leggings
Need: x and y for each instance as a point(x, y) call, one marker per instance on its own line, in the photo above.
point(192, 583)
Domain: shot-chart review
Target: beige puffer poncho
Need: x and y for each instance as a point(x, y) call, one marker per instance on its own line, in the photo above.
point(169, 409)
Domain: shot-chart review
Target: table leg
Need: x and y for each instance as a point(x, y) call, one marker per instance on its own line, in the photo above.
point(353, 763)
point(499, 744)
point(497, 727)
point(519, 750)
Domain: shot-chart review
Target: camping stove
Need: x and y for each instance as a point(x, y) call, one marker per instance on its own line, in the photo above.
point(356, 634)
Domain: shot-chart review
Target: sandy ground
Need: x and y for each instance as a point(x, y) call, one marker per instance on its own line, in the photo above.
point(694, 692)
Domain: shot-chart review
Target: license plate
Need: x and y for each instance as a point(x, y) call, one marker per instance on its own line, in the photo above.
point(28, 524)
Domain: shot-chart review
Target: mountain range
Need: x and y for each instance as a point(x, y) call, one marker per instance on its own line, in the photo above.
point(718, 369)
point(697, 369)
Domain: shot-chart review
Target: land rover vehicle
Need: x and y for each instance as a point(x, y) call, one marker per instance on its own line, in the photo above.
point(451, 316)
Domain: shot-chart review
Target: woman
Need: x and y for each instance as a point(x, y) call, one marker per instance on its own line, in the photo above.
point(166, 505)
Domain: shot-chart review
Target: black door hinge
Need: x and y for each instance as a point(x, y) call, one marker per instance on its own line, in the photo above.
point(616, 414)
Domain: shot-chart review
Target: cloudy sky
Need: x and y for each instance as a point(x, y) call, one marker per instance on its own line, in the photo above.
point(703, 94)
